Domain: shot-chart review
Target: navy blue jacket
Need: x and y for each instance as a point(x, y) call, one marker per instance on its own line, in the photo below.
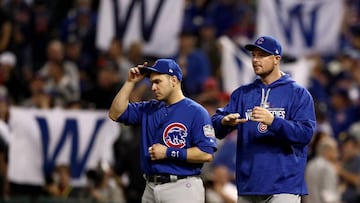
point(270, 159)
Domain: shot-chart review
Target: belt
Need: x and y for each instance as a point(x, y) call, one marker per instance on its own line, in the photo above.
point(163, 178)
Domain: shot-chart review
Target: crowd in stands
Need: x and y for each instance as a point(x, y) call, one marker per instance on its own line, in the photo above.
point(48, 59)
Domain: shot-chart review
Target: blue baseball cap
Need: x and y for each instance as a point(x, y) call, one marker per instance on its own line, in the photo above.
point(164, 66)
point(266, 43)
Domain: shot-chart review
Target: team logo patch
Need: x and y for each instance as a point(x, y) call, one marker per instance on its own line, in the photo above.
point(175, 135)
point(209, 131)
point(260, 41)
point(262, 128)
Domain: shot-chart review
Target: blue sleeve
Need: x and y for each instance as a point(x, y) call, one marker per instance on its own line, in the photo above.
point(132, 114)
point(220, 130)
point(203, 135)
point(209, 150)
point(299, 127)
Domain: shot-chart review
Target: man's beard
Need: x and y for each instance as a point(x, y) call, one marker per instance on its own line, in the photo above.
point(267, 73)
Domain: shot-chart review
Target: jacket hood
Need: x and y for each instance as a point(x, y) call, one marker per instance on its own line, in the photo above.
point(284, 79)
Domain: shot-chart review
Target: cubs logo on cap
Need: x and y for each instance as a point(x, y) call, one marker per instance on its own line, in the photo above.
point(266, 43)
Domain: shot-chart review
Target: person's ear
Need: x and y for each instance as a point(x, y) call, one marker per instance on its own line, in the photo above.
point(173, 80)
point(277, 59)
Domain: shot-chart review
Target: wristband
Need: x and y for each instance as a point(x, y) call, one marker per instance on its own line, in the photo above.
point(176, 153)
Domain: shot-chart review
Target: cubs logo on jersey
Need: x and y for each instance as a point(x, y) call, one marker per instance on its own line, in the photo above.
point(175, 135)
point(262, 128)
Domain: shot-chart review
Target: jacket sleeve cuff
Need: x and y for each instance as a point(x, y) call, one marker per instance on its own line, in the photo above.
point(276, 124)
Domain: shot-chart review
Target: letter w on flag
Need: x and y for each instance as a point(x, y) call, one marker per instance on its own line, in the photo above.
point(236, 68)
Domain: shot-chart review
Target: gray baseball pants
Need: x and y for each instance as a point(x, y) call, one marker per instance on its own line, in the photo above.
point(190, 189)
point(278, 198)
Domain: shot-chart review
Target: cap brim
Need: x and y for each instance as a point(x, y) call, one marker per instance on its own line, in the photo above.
point(147, 70)
point(251, 47)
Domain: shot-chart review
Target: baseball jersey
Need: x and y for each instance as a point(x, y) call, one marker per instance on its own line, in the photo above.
point(184, 124)
point(270, 159)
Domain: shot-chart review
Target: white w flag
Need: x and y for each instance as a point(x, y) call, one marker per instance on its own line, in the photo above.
point(43, 139)
point(236, 66)
point(302, 27)
point(156, 23)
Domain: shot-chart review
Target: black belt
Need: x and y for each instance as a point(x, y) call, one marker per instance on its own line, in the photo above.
point(163, 178)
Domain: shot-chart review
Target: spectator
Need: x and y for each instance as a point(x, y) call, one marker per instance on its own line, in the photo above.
point(321, 175)
point(59, 84)
point(127, 162)
point(322, 121)
point(142, 90)
point(220, 188)
point(193, 62)
point(352, 57)
point(341, 113)
point(211, 91)
point(195, 13)
point(226, 14)
point(39, 98)
point(350, 22)
point(11, 78)
point(80, 22)
point(102, 187)
point(78, 32)
point(56, 61)
point(85, 63)
point(355, 33)
point(106, 87)
point(135, 53)
point(319, 82)
point(349, 171)
point(20, 13)
point(59, 185)
point(244, 26)
point(117, 56)
point(208, 43)
point(226, 156)
point(314, 144)
point(354, 130)
point(41, 34)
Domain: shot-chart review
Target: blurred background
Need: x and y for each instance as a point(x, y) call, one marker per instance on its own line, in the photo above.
point(62, 62)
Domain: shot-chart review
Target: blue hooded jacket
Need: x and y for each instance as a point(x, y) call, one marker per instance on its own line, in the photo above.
point(270, 159)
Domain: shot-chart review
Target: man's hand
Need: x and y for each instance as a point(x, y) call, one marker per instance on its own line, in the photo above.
point(232, 119)
point(135, 75)
point(157, 152)
point(262, 115)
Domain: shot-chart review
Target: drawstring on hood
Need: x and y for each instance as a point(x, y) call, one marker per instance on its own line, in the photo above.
point(285, 79)
point(264, 97)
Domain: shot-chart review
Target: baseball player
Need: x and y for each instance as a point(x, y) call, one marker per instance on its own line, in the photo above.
point(177, 136)
point(275, 120)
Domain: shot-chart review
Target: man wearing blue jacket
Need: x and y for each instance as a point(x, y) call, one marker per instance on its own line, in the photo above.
point(275, 120)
